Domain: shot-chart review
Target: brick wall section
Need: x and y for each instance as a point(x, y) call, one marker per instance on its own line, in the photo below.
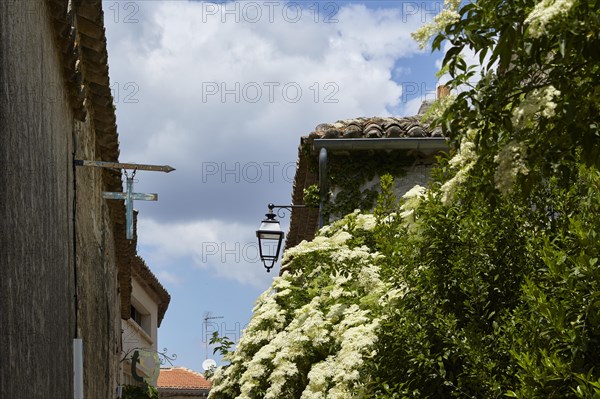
point(305, 221)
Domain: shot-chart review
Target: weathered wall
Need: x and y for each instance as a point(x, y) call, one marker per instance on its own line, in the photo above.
point(36, 273)
point(98, 300)
point(37, 263)
point(417, 174)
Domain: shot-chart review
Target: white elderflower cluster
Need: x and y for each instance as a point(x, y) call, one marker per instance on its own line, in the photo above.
point(412, 200)
point(365, 221)
point(309, 328)
point(449, 15)
point(464, 160)
point(345, 254)
point(267, 311)
point(512, 161)
point(338, 375)
point(313, 329)
point(538, 102)
point(319, 243)
point(544, 13)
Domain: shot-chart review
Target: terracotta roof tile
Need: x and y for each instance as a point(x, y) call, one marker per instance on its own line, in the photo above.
point(411, 126)
point(182, 378)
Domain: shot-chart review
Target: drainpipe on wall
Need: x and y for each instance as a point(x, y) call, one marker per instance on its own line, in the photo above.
point(323, 186)
point(78, 368)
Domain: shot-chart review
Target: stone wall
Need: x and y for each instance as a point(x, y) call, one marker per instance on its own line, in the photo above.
point(43, 275)
point(97, 285)
point(36, 263)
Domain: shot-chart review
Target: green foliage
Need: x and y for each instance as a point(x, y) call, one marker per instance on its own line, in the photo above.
point(311, 196)
point(494, 269)
point(223, 344)
point(515, 62)
point(146, 391)
point(501, 302)
point(349, 173)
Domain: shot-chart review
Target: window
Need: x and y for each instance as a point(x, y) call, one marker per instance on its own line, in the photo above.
point(136, 315)
point(142, 319)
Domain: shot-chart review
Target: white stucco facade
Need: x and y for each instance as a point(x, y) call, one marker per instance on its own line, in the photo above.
point(140, 332)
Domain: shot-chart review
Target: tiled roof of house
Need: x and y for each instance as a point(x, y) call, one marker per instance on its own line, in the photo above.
point(181, 378)
point(375, 127)
point(304, 221)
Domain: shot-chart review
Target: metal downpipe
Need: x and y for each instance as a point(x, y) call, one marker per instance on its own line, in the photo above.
point(323, 183)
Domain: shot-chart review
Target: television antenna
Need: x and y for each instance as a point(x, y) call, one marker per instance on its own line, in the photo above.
point(207, 317)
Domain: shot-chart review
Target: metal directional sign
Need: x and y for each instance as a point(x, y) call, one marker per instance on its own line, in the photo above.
point(131, 166)
point(129, 196)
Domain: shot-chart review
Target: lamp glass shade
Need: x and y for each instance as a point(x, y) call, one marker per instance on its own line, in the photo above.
point(269, 230)
point(270, 237)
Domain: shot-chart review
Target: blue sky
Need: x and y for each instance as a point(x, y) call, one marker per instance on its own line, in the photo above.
point(223, 92)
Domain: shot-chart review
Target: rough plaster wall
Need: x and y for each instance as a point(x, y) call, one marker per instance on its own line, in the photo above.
point(36, 280)
point(418, 174)
point(37, 317)
point(98, 301)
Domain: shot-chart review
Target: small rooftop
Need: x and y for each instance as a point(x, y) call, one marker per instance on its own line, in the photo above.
point(376, 127)
point(180, 381)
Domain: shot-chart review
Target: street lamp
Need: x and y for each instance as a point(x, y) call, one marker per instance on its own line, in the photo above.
point(270, 236)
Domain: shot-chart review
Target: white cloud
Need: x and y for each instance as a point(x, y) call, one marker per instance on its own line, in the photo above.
point(169, 277)
point(412, 106)
point(195, 72)
point(195, 86)
point(224, 250)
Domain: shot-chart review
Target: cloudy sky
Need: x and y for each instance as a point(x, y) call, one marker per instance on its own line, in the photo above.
point(223, 91)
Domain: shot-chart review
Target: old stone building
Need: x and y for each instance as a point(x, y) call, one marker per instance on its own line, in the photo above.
point(65, 264)
point(344, 160)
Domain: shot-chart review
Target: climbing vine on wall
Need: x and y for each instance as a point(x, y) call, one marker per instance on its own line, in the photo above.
point(348, 175)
